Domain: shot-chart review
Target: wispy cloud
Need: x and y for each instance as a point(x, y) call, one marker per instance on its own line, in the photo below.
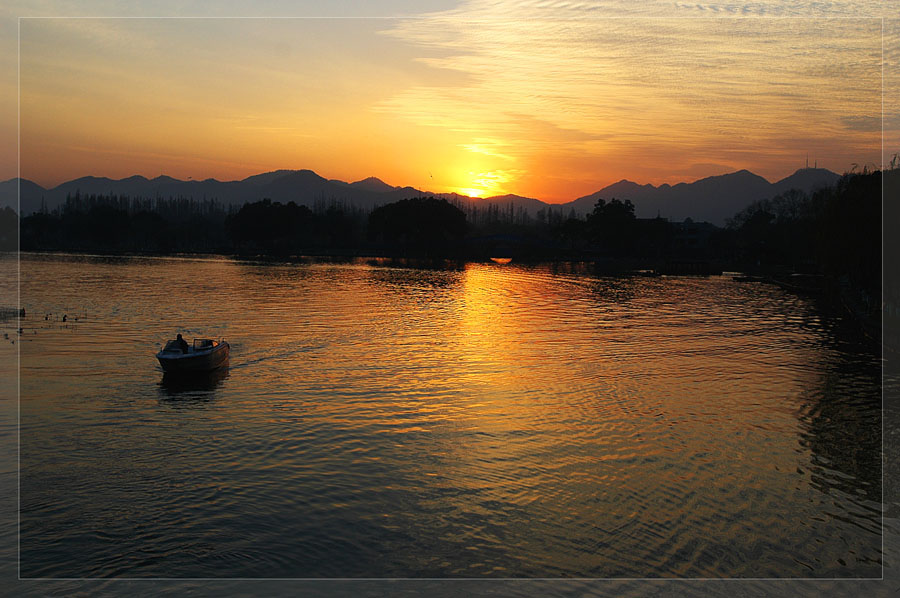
point(547, 98)
point(623, 84)
point(488, 147)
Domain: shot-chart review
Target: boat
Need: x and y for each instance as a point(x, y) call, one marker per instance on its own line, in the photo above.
point(203, 355)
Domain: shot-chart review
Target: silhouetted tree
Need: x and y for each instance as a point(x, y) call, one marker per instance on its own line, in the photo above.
point(836, 229)
point(338, 225)
point(274, 227)
point(571, 232)
point(9, 229)
point(420, 224)
point(850, 230)
point(612, 225)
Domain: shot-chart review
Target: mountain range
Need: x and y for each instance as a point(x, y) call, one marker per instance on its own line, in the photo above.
point(711, 199)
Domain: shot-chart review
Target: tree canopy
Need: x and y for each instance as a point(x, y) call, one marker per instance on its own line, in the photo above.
point(422, 223)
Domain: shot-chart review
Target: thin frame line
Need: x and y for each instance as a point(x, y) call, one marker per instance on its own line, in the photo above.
point(19, 298)
point(486, 579)
point(424, 17)
point(882, 300)
point(461, 19)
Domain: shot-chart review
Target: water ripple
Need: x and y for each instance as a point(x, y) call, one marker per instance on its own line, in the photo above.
point(475, 421)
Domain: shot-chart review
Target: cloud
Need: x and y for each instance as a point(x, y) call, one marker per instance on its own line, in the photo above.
point(629, 82)
point(862, 123)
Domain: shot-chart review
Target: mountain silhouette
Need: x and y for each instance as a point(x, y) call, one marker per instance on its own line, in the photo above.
point(806, 179)
point(372, 184)
point(32, 194)
point(266, 177)
point(304, 187)
point(713, 199)
point(529, 204)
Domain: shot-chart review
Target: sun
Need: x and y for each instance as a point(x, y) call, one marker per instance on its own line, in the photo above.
point(470, 192)
point(484, 183)
point(479, 178)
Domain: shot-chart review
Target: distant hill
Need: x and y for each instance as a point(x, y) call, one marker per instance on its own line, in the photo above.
point(301, 186)
point(266, 177)
point(372, 184)
point(806, 179)
point(529, 204)
point(32, 194)
point(712, 199)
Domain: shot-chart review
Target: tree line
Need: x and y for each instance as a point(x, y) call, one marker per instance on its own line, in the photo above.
point(835, 230)
point(9, 229)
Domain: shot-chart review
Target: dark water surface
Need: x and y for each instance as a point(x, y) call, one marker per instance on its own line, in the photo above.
point(477, 421)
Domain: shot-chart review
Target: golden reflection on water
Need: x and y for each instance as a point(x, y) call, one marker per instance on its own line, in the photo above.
point(464, 420)
point(658, 399)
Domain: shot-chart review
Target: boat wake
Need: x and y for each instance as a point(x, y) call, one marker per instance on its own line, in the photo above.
point(275, 357)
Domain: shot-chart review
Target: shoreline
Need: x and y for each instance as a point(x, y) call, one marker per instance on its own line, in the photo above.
point(832, 292)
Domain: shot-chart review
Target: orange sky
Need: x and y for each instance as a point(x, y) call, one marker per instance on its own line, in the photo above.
point(464, 100)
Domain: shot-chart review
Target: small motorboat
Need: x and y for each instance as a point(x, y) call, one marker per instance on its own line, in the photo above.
point(203, 355)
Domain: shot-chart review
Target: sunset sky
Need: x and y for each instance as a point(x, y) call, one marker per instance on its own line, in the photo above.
point(480, 97)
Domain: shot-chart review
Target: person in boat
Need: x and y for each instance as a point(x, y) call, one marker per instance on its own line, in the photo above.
point(182, 344)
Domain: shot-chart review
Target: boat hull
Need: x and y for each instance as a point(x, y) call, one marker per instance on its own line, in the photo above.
point(194, 361)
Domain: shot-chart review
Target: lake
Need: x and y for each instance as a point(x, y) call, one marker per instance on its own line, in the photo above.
point(464, 420)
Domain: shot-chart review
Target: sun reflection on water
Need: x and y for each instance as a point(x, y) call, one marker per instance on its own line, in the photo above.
point(466, 420)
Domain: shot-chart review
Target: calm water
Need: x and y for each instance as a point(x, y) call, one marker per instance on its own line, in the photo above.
point(473, 421)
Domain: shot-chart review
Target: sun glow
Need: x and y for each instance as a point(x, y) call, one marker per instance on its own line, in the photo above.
point(463, 100)
point(487, 183)
point(470, 192)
